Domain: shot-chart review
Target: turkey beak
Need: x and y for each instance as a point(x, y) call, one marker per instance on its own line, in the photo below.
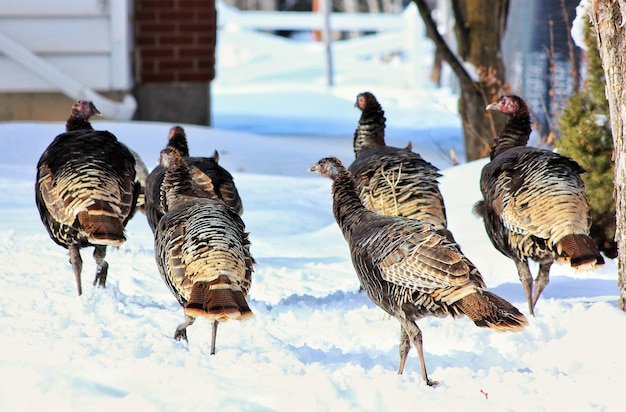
point(93, 109)
point(493, 106)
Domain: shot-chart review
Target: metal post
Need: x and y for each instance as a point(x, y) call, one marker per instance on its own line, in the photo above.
point(326, 10)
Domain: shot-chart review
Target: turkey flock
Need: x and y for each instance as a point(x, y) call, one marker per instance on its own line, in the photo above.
point(386, 202)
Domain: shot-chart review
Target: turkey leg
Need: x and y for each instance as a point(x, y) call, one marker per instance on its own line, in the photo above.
point(404, 348)
point(541, 281)
point(181, 330)
point(102, 267)
point(213, 336)
point(527, 282)
point(415, 335)
point(77, 265)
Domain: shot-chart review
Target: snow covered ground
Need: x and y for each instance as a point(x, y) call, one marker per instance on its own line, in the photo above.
point(315, 343)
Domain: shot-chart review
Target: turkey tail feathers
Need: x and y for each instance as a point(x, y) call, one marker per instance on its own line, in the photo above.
point(488, 310)
point(102, 228)
point(581, 251)
point(217, 300)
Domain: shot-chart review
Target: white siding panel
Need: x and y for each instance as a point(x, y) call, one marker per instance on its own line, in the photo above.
point(92, 71)
point(88, 40)
point(120, 45)
point(60, 35)
point(54, 7)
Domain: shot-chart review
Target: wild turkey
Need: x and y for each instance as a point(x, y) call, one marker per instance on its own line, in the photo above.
point(81, 112)
point(534, 203)
point(390, 180)
point(411, 271)
point(141, 174)
point(209, 179)
point(86, 192)
point(84, 110)
point(202, 251)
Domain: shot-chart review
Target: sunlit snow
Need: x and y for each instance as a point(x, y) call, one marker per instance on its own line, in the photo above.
point(315, 343)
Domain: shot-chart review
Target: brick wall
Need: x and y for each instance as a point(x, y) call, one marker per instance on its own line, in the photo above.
point(175, 41)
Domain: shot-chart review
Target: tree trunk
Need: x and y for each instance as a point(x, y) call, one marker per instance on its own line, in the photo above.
point(435, 70)
point(479, 29)
point(608, 18)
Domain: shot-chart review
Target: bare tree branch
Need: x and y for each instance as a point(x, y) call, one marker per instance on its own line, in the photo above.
point(570, 47)
point(446, 53)
point(461, 30)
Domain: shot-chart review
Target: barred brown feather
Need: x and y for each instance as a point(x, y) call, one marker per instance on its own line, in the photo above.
point(393, 181)
point(409, 269)
point(488, 310)
point(202, 250)
point(82, 112)
point(209, 180)
point(579, 250)
point(86, 191)
point(535, 205)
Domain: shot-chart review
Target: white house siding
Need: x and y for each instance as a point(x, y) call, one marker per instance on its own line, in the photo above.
point(87, 40)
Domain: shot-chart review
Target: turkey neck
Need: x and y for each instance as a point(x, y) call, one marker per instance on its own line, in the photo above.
point(347, 206)
point(371, 129)
point(514, 133)
point(179, 142)
point(77, 123)
point(176, 185)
